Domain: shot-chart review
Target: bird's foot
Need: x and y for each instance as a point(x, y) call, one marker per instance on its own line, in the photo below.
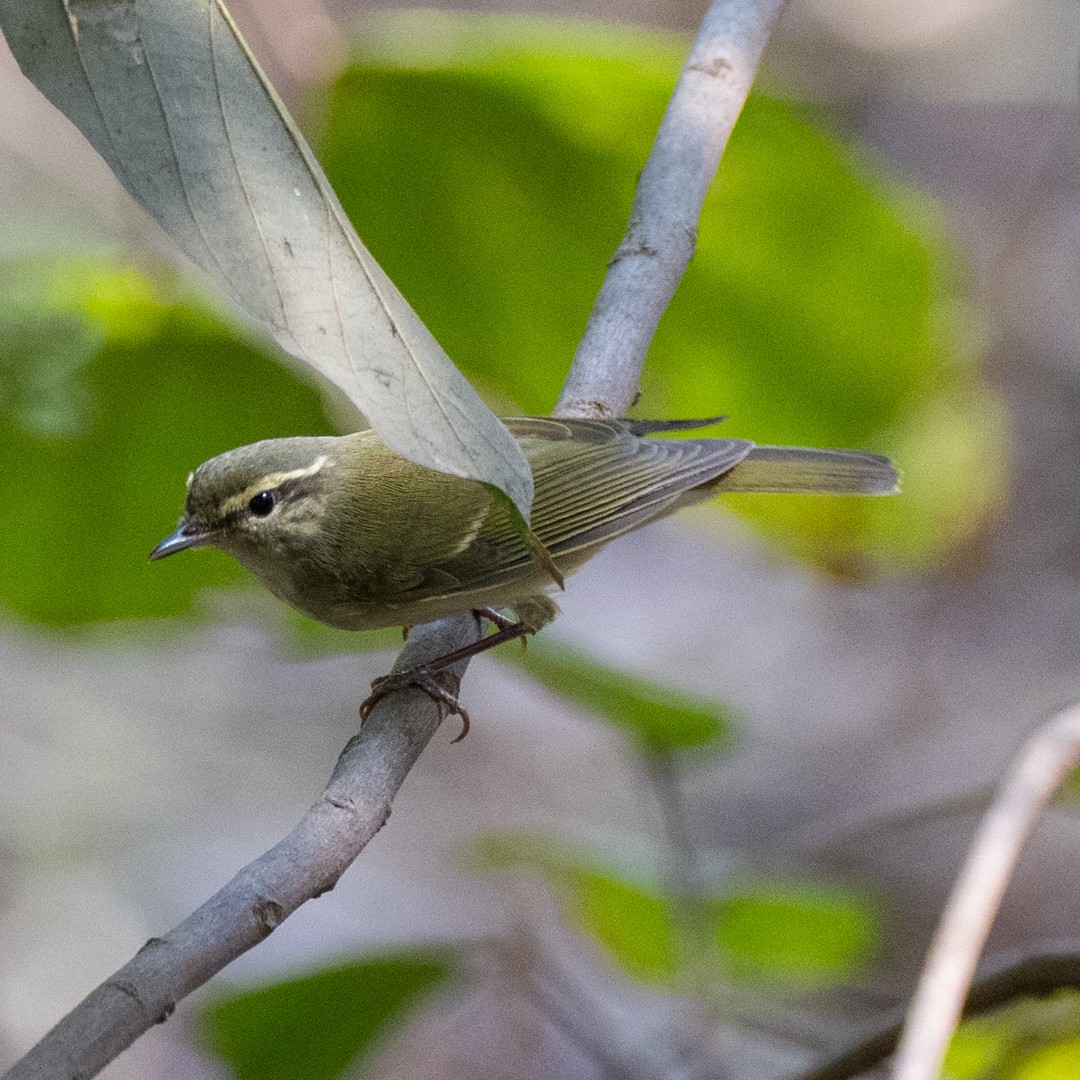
point(435, 678)
point(440, 685)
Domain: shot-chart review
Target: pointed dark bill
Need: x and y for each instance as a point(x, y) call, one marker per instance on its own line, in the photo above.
point(186, 536)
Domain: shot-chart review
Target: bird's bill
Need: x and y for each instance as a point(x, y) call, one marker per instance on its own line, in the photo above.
point(186, 536)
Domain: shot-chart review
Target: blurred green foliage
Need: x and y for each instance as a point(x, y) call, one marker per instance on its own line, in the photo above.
point(803, 934)
point(628, 914)
point(1027, 1040)
point(634, 923)
point(976, 1048)
point(659, 719)
point(1057, 1062)
point(114, 387)
point(489, 166)
point(313, 1027)
point(758, 931)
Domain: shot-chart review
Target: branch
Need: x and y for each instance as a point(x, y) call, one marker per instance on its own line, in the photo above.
point(936, 1008)
point(356, 803)
point(1042, 766)
point(353, 807)
point(662, 234)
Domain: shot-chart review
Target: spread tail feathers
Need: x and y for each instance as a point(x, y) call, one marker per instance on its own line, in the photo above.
point(780, 469)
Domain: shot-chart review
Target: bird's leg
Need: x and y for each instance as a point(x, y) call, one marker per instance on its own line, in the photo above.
point(507, 632)
point(425, 676)
point(496, 618)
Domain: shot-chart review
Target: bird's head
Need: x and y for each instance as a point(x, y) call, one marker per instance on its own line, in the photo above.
point(256, 499)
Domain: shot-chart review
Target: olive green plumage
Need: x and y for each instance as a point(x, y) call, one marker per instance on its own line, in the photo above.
point(358, 537)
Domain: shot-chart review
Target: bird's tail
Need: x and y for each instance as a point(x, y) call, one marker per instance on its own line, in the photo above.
point(781, 469)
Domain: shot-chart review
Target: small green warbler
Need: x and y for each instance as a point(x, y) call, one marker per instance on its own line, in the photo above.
point(356, 536)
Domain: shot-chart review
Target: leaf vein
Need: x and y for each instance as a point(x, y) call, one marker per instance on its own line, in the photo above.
point(211, 9)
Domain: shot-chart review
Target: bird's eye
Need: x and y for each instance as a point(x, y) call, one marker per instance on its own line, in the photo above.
point(263, 504)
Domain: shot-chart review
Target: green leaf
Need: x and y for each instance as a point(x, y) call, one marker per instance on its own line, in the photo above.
point(631, 918)
point(633, 923)
point(764, 930)
point(168, 93)
point(99, 452)
point(1055, 1062)
point(659, 718)
point(1026, 1039)
point(822, 306)
point(809, 935)
point(313, 1027)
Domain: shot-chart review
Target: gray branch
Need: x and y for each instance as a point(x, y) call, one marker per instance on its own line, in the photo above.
point(661, 237)
point(356, 803)
point(351, 810)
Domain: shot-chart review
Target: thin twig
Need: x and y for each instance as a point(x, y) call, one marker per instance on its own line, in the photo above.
point(1041, 768)
point(661, 237)
point(683, 872)
point(603, 380)
point(560, 1000)
point(685, 885)
point(579, 1007)
point(863, 826)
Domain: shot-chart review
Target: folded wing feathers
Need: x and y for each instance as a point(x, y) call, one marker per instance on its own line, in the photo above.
point(620, 486)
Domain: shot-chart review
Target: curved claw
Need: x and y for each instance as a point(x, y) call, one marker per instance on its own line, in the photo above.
point(428, 681)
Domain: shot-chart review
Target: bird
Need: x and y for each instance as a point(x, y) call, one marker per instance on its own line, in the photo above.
point(356, 536)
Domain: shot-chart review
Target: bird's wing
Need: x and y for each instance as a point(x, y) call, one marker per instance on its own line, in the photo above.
point(601, 479)
point(594, 481)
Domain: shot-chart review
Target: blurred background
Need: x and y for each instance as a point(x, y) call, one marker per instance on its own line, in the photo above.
point(705, 826)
